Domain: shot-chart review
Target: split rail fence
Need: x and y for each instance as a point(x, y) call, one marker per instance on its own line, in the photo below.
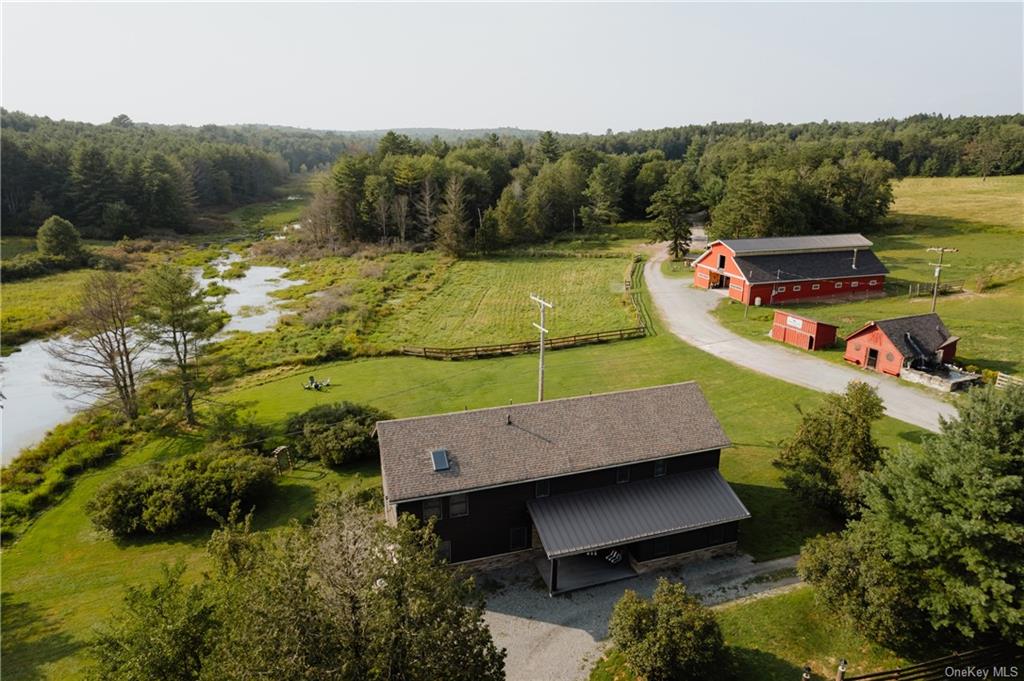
point(1000, 661)
point(1004, 381)
point(644, 327)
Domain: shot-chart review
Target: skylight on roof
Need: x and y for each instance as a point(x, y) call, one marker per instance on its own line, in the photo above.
point(439, 459)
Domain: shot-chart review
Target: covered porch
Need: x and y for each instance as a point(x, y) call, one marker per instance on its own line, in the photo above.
point(587, 536)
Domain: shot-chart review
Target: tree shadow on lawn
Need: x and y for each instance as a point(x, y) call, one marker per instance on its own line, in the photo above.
point(751, 664)
point(30, 640)
point(779, 522)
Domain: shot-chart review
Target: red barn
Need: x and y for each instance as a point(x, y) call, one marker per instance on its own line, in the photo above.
point(803, 332)
point(787, 269)
point(887, 346)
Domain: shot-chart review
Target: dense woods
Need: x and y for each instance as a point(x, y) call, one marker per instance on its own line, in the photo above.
point(125, 179)
point(482, 193)
point(751, 179)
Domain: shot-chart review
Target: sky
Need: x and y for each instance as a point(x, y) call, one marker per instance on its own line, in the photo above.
point(580, 67)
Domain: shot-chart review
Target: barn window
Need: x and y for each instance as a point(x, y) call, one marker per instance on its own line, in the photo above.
point(889, 357)
point(796, 288)
point(781, 289)
point(445, 551)
point(815, 287)
point(517, 539)
point(660, 468)
point(622, 474)
point(432, 509)
point(856, 346)
point(854, 284)
point(542, 488)
point(839, 284)
point(721, 262)
point(873, 282)
point(458, 505)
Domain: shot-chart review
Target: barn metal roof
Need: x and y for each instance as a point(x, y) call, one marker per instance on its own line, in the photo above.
point(797, 244)
point(517, 443)
point(569, 524)
point(765, 269)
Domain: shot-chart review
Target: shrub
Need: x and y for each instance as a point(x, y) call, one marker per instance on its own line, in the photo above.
point(162, 498)
point(335, 433)
point(671, 636)
point(59, 237)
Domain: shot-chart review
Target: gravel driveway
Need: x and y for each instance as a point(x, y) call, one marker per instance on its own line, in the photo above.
point(686, 312)
point(559, 638)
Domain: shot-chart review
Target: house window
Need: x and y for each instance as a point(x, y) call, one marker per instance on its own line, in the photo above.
point(622, 474)
point(661, 547)
point(660, 468)
point(854, 284)
point(517, 539)
point(839, 284)
point(458, 505)
point(721, 262)
point(796, 288)
point(781, 289)
point(432, 509)
point(444, 551)
point(815, 287)
point(542, 488)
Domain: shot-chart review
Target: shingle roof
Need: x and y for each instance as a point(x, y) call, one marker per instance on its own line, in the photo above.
point(794, 244)
point(914, 336)
point(569, 524)
point(762, 269)
point(544, 439)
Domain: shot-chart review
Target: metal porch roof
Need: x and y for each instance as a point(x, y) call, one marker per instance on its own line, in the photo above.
point(569, 524)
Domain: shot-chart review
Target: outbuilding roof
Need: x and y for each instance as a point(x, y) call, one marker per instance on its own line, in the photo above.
point(574, 523)
point(914, 336)
point(797, 244)
point(518, 443)
point(764, 269)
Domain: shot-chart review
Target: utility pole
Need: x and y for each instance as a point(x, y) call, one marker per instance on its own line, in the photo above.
point(544, 305)
point(938, 269)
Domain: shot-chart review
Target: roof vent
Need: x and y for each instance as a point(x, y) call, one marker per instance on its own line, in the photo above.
point(439, 459)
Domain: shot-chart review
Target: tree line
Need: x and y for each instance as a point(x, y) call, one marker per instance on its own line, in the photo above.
point(127, 179)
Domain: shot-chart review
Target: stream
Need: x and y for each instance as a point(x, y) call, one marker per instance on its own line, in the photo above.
point(32, 405)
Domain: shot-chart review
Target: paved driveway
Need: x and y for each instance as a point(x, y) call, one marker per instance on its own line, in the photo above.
point(686, 312)
point(560, 638)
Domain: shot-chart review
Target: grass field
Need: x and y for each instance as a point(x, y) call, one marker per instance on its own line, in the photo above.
point(488, 301)
point(37, 307)
point(772, 638)
point(985, 220)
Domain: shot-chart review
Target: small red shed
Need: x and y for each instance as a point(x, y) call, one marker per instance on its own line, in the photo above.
point(888, 345)
point(804, 333)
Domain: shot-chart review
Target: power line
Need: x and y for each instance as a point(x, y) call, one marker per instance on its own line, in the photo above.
point(543, 305)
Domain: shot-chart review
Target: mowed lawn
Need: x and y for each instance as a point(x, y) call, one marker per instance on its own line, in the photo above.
point(62, 578)
point(487, 301)
point(772, 638)
point(985, 221)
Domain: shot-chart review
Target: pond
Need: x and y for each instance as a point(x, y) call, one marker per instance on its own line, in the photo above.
point(32, 405)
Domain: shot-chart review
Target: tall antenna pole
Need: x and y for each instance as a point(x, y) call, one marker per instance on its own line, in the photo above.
point(544, 305)
point(938, 269)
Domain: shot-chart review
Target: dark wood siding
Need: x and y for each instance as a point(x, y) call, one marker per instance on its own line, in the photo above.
point(494, 512)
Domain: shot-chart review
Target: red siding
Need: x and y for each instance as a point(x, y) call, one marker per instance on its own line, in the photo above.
point(707, 274)
point(804, 333)
point(860, 344)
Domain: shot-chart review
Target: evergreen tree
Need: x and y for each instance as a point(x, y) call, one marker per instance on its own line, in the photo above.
point(548, 146)
point(604, 196)
point(670, 207)
point(93, 185)
point(452, 228)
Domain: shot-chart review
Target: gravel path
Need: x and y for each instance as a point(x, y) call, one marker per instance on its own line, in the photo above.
point(686, 312)
point(559, 638)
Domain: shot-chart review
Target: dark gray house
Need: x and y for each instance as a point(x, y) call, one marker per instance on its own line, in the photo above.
point(594, 488)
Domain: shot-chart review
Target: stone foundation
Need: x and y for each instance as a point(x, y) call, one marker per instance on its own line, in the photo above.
point(502, 560)
point(938, 382)
point(677, 559)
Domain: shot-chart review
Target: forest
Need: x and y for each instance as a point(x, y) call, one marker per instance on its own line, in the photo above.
point(476, 195)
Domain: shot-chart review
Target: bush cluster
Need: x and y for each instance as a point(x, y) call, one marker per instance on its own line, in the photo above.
point(164, 497)
point(336, 434)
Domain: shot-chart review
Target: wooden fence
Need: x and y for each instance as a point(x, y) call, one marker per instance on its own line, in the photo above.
point(991, 658)
point(632, 284)
point(916, 290)
point(1004, 381)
